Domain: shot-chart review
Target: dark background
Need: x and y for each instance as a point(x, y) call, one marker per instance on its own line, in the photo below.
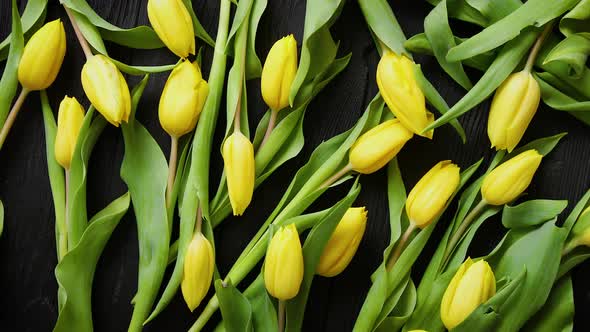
point(27, 284)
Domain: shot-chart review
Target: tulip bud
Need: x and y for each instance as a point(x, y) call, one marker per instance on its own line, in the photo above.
point(238, 158)
point(513, 108)
point(581, 230)
point(182, 100)
point(42, 57)
point(507, 181)
point(173, 24)
point(279, 72)
point(430, 195)
point(198, 271)
point(399, 88)
point(343, 243)
point(69, 122)
point(106, 89)
point(378, 146)
point(283, 267)
point(472, 285)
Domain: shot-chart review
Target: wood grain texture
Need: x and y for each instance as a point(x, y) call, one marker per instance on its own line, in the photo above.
point(28, 301)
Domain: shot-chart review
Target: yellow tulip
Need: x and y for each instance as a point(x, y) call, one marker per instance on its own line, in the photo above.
point(283, 267)
point(343, 243)
point(199, 263)
point(43, 56)
point(238, 158)
point(182, 100)
point(106, 89)
point(378, 146)
point(581, 230)
point(398, 87)
point(173, 24)
point(472, 285)
point(507, 181)
point(429, 196)
point(513, 108)
point(69, 122)
point(279, 72)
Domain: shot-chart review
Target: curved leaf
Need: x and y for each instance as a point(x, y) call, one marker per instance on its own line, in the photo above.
point(200, 32)
point(572, 51)
point(557, 315)
point(33, 15)
point(577, 20)
point(9, 81)
point(438, 32)
point(532, 213)
point(75, 272)
point(236, 310)
point(144, 160)
point(383, 24)
point(532, 13)
point(404, 307)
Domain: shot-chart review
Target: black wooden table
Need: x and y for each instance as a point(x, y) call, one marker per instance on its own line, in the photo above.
point(27, 247)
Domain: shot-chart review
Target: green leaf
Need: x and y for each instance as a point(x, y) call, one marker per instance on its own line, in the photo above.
point(236, 310)
point(141, 37)
point(383, 25)
point(438, 32)
point(196, 188)
point(436, 100)
point(9, 81)
point(558, 100)
point(33, 16)
point(532, 213)
point(401, 313)
point(142, 70)
point(509, 57)
point(144, 160)
point(557, 315)
point(77, 212)
point(543, 145)
point(572, 51)
point(75, 272)
point(318, 49)
point(56, 173)
point(462, 10)
point(577, 20)
point(200, 32)
point(312, 251)
point(579, 254)
point(532, 13)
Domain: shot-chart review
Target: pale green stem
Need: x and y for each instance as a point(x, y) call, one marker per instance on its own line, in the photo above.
point(530, 62)
point(271, 125)
point(401, 245)
point(83, 42)
point(462, 228)
point(12, 115)
point(281, 314)
point(172, 169)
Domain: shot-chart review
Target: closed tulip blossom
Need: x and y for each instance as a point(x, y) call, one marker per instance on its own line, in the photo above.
point(580, 233)
point(69, 122)
point(173, 24)
point(182, 99)
point(400, 90)
point(343, 243)
point(106, 89)
point(509, 180)
point(430, 195)
point(378, 146)
point(472, 285)
point(238, 159)
point(513, 107)
point(199, 263)
point(42, 57)
point(283, 267)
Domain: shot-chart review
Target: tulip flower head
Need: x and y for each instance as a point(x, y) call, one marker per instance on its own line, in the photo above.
point(343, 243)
point(507, 181)
point(283, 267)
point(472, 285)
point(106, 89)
point(279, 72)
point(69, 122)
point(430, 195)
point(581, 230)
point(199, 263)
point(182, 99)
point(43, 56)
point(378, 146)
point(173, 24)
point(513, 107)
point(402, 94)
point(238, 158)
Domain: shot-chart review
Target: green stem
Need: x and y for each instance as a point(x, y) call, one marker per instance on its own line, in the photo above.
point(530, 62)
point(340, 174)
point(173, 160)
point(81, 39)
point(281, 315)
point(401, 245)
point(63, 234)
point(241, 46)
point(12, 115)
point(462, 228)
point(271, 125)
